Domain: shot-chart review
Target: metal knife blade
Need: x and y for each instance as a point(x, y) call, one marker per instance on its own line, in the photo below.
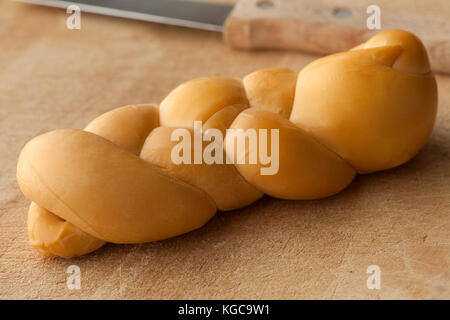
point(198, 15)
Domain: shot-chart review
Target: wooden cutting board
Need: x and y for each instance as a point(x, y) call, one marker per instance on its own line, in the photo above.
point(53, 78)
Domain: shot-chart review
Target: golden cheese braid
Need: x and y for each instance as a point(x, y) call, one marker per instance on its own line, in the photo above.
point(360, 111)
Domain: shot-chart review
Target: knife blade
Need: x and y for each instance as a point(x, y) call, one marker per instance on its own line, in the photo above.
point(192, 14)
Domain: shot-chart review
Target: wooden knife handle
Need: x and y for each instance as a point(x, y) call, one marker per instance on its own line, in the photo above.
point(323, 29)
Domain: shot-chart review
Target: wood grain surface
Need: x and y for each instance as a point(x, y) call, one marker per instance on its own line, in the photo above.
point(52, 77)
point(318, 28)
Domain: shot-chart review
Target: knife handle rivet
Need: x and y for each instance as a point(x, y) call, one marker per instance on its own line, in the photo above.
point(342, 13)
point(265, 4)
